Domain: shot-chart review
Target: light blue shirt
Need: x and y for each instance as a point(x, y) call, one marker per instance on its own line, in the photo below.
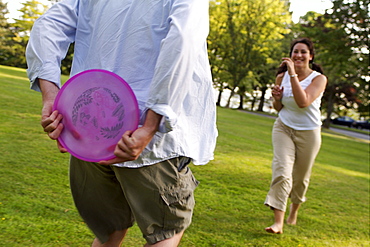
point(157, 46)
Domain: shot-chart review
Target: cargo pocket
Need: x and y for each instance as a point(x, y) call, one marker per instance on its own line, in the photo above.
point(179, 202)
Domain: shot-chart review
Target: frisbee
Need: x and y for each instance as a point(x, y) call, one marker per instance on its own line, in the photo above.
point(97, 106)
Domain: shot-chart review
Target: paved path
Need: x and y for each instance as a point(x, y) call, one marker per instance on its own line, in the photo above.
point(351, 133)
point(341, 131)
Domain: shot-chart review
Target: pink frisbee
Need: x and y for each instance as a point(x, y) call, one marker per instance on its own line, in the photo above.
point(97, 106)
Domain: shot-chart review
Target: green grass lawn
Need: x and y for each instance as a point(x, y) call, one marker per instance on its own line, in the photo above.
point(36, 208)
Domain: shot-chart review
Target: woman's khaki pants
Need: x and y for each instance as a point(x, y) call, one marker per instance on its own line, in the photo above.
point(294, 155)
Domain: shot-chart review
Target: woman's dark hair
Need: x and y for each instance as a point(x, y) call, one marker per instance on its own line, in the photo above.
point(309, 44)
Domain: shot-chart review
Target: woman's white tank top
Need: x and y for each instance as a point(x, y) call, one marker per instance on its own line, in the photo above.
point(307, 118)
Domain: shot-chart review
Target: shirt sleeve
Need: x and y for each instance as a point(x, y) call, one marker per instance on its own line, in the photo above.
point(49, 41)
point(189, 26)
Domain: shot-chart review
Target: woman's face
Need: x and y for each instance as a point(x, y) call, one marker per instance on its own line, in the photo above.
point(301, 55)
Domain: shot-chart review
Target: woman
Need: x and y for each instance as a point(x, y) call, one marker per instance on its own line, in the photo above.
point(296, 133)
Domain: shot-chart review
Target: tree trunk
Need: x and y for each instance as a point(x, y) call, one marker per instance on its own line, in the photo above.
point(253, 103)
point(229, 99)
point(218, 103)
point(241, 107)
point(330, 107)
point(262, 99)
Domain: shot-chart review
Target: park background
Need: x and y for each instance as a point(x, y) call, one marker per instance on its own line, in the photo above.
point(247, 40)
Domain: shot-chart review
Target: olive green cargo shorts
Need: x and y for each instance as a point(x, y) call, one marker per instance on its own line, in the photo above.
point(158, 197)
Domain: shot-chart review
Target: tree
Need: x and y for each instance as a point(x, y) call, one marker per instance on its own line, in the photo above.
point(242, 35)
point(6, 36)
point(217, 46)
point(353, 17)
point(14, 36)
point(341, 37)
point(31, 10)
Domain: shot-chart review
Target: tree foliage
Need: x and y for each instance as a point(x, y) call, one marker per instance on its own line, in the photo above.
point(246, 42)
point(242, 37)
point(6, 36)
point(14, 36)
point(341, 37)
point(353, 18)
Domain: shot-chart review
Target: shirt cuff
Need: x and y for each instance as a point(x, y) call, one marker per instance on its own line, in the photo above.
point(169, 119)
point(47, 72)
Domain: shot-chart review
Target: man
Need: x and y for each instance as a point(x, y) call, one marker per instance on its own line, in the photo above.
point(159, 48)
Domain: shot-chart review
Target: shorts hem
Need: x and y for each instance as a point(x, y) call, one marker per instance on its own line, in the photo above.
point(165, 234)
point(104, 237)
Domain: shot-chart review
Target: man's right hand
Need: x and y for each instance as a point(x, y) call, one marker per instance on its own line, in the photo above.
point(51, 120)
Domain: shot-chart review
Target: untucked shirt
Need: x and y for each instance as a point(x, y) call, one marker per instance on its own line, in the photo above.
point(307, 118)
point(157, 46)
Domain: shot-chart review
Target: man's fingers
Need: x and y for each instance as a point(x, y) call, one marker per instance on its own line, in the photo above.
point(128, 148)
point(48, 119)
point(53, 125)
point(122, 157)
point(61, 148)
point(110, 162)
point(115, 161)
point(123, 151)
point(56, 132)
point(131, 146)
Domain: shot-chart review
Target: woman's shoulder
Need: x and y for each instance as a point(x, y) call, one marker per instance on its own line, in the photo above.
point(319, 78)
point(315, 75)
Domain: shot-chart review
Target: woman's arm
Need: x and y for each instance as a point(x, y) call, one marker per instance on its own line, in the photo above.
point(277, 93)
point(305, 97)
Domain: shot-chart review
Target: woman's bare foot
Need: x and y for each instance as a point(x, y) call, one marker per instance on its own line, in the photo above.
point(293, 214)
point(275, 229)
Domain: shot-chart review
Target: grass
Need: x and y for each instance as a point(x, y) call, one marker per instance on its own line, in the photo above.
point(36, 208)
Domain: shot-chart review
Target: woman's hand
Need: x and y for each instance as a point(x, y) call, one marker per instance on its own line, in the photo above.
point(290, 65)
point(277, 92)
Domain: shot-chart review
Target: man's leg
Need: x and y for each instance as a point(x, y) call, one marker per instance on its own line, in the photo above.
point(100, 201)
point(170, 242)
point(115, 240)
point(161, 198)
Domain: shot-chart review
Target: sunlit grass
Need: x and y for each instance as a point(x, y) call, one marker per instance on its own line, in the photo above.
point(36, 208)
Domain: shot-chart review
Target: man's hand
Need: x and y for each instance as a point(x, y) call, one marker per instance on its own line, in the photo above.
point(51, 121)
point(133, 143)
